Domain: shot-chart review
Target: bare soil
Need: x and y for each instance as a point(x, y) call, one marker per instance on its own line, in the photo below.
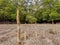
point(37, 34)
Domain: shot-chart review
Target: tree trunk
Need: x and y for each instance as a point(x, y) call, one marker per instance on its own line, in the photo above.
point(18, 27)
point(52, 21)
point(25, 33)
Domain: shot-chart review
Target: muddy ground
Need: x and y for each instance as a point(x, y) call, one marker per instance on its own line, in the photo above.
point(37, 34)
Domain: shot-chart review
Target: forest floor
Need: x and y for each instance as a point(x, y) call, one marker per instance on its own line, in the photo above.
point(37, 34)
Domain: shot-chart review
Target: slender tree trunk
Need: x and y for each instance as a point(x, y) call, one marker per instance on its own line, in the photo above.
point(52, 24)
point(25, 33)
point(18, 27)
point(52, 21)
point(36, 30)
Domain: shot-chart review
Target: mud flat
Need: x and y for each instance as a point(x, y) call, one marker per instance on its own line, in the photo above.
point(37, 34)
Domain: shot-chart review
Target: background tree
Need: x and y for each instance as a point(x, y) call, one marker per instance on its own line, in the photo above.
point(41, 10)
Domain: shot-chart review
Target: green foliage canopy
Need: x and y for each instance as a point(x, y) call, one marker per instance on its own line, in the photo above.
point(46, 11)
